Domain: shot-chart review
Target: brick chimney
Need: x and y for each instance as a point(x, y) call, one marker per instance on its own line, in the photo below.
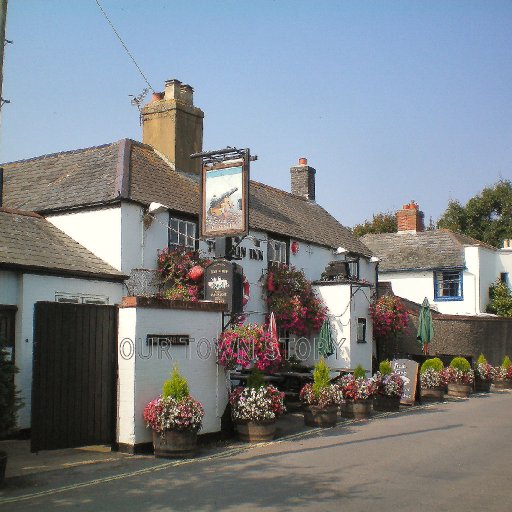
point(173, 126)
point(303, 180)
point(409, 219)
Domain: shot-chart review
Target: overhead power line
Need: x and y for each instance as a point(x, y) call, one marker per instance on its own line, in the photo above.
point(123, 44)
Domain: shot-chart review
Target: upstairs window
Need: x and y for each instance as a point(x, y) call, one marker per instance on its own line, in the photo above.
point(361, 330)
point(353, 268)
point(277, 252)
point(182, 234)
point(448, 285)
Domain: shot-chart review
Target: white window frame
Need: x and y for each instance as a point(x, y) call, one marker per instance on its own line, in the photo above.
point(182, 233)
point(277, 251)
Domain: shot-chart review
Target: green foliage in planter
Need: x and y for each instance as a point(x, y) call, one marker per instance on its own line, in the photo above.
point(10, 401)
point(460, 363)
point(434, 363)
point(175, 387)
point(321, 378)
point(481, 359)
point(255, 379)
point(385, 368)
point(359, 372)
point(506, 363)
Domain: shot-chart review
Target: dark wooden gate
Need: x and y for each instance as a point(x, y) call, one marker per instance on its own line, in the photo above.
point(74, 375)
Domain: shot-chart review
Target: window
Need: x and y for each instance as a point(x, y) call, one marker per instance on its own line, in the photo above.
point(361, 330)
point(504, 278)
point(182, 233)
point(277, 251)
point(353, 269)
point(77, 298)
point(448, 285)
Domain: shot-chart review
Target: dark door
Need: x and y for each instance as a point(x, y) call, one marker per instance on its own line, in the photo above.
point(7, 314)
point(74, 375)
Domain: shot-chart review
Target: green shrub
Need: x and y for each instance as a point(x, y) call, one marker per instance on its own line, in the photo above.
point(10, 401)
point(506, 363)
point(385, 368)
point(481, 359)
point(175, 387)
point(460, 363)
point(255, 379)
point(359, 372)
point(433, 363)
point(321, 377)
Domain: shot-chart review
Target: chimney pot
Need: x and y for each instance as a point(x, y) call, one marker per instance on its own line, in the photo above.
point(172, 89)
point(187, 94)
point(303, 161)
point(157, 96)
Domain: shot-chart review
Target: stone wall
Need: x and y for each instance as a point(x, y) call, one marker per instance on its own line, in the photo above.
point(455, 335)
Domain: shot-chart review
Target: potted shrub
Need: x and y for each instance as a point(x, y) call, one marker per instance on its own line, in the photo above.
point(503, 375)
point(460, 377)
point(321, 398)
point(9, 404)
point(432, 380)
point(389, 388)
point(358, 392)
point(484, 375)
point(175, 418)
point(255, 409)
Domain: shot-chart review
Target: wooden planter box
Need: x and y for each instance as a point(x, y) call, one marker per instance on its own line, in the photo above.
point(432, 394)
point(459, 390)
point(360, 409)
point(386, 403)
point(502, 384)
point(483, 386)
point(176, 444)
point(252, 432)
point(324, 417)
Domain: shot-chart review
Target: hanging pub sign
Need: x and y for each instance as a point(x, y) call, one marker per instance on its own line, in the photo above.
point(223, 282)
point(224, 198)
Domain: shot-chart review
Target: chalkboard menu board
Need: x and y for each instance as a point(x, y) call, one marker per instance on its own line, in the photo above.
point(223, 283)
point(408, 370)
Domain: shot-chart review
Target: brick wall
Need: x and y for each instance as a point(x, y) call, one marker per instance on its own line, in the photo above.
point(409, 218)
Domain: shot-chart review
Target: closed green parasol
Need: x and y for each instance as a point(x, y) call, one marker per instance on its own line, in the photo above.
point(325, 344)
point(425, 326)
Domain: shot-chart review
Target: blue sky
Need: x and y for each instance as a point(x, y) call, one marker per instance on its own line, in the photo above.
point(389, 100)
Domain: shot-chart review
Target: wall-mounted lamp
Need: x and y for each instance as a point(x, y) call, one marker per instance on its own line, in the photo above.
point(374, 259)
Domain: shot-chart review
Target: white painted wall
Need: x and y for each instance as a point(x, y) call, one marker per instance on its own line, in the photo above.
point(34, 288)
point(98, 230)
point(141, 376)
point(488, 260)
point(505, 263)
point(8, 288)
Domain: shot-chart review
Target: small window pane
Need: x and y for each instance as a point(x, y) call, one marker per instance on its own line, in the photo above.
point(361, 330)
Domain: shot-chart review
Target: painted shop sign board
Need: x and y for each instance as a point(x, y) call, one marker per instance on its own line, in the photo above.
point(408, 370)
point(224, 199)
point(167, 339)
point(223, 283)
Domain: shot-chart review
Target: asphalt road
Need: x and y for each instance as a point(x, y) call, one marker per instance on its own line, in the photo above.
point(449, 457)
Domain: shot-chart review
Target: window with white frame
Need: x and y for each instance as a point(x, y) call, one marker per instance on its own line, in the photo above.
point(277, 251)
point(182, 233)
point(361, 330)
point(353, 268)
point(448, 285)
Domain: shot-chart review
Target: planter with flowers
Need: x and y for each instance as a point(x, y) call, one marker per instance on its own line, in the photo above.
point(389, 386)
point(432, 380)
point(321, 398)
point(292, 299)
point(248, 346)
point(255, 409)
point(503, 375)
point(175, 418)
point(358, 392)
point(460, 378)
point(181, 274)
point(484, 375)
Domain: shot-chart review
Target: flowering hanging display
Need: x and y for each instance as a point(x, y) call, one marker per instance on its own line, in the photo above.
point(181, 274)
point(292, 299)
point(247, 346)
point(389, 316)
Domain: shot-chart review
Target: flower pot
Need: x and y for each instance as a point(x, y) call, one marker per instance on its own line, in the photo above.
point(358, 409)
point(385, 403)
point(252, 432)
point(502, 384)
point(3, 465)
point(432, 394)
point(459, 390)
point(324, 417)
point(175, 443)
point(482, 386)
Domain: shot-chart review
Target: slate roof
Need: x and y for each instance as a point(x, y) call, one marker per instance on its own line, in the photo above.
point(31, 243)
point(133, 171)
point(427, 250)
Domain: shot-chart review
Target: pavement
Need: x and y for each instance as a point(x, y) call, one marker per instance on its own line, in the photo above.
point(32, 477)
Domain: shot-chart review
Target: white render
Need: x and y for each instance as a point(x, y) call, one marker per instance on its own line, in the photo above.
point(8, 288)
point(31, 289)
point(143, 371)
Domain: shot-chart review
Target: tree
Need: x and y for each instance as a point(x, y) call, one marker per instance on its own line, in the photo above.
point(486, 217)
point(380, 223)
point(501, 299)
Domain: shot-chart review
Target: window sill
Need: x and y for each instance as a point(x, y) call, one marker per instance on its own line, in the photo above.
point(448, 299)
